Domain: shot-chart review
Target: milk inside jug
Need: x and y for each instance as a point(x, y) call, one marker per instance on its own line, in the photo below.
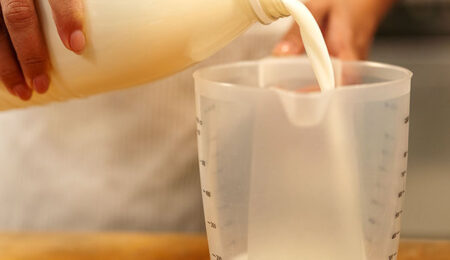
point(134, 41)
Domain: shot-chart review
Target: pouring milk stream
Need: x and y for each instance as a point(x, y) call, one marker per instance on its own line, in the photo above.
point(133, 42)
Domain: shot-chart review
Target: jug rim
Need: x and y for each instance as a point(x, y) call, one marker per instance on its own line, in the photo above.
point(406, 74)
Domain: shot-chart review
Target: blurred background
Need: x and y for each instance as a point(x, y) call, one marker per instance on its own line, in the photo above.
point(128, 160)
point(416, 35)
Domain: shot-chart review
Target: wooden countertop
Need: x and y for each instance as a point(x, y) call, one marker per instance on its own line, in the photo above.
point(128, 246)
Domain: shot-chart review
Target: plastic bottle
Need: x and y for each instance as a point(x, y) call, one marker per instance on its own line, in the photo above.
point(135, 41)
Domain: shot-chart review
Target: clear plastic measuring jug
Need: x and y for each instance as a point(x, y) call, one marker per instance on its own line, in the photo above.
point(293, 175)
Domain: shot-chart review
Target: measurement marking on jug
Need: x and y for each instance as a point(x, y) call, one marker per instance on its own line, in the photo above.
point(203, 163)
point(392, 256)
point(374, 202)
point(395, 235)
point(229, 224)
point(390, 105)
point(199, 121)
point(401, 193)
point(210, 108)
point(207, 193)
point(407, 120)
point(198, 132)
point(405, 154)
point(212, 224)
point(217, 257)
point(232, 244)
point(397, 215)
point(403, 173)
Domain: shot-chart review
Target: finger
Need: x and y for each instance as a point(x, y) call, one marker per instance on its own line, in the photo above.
point(339, 36)
point(68, 16)
point(309, 89)
point(10, 73)
point(291, 44)
point(24, 31)
point(319, 9)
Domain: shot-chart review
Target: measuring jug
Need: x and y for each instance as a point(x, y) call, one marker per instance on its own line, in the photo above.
point(288, 174)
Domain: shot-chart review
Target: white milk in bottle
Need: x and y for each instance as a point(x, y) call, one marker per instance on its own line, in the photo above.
point(136, 41)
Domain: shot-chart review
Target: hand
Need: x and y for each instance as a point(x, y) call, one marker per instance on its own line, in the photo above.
point(348, 27)
point(24, 58)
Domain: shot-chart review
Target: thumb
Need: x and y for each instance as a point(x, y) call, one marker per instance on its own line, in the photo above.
point(291, 44)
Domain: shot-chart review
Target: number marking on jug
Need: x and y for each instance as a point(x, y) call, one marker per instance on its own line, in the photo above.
point(395, 235)
point(203, 163)
point(401, 193)
point(403, 173)
point(212, 224)
point(406, 120)
point(392, 256)
point(207, 193)
point(398, 214)
point(199, 121)
point(217, 257)
point(405, 154)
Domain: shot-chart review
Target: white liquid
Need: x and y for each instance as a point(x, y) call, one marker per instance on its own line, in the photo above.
point(314, 43)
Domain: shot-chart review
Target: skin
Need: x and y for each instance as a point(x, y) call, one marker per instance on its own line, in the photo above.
point(24, 60)
point(348, 27)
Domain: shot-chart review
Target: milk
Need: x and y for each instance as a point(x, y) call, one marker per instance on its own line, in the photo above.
point(314, 44)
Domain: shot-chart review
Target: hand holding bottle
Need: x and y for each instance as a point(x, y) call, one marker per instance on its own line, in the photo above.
point(24, 58)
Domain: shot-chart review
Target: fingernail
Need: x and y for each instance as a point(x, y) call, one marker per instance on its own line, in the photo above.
point(23, 92)
point(77, 41)
point(285, 48)
point(41, 83)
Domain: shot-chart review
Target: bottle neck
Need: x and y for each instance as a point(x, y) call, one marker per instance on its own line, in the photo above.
point(268, 11)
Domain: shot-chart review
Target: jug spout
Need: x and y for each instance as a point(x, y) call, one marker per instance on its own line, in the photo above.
point(302, 109)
